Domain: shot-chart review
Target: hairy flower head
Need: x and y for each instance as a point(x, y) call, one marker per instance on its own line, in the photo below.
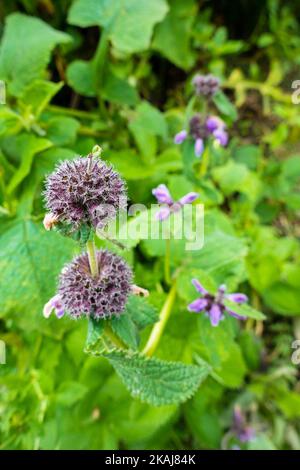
point(103, 296)
point(84, 191)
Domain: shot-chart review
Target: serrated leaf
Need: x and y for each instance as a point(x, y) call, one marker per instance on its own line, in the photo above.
point(125, 328)
point(155, 381)
point(244, 310)
point(25, 50)
point(95, 331)
point(129, 22)
point(141, 312)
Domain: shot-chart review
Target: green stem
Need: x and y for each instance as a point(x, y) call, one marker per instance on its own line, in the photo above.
point(91, 250)
point(99, 67)
point(159, 327)
point(204, 162)
point(73, 112)
point(167, 261)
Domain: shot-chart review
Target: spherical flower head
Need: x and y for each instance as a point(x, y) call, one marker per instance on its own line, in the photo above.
point(102, 296)
point(206, 85)
point(84, 191)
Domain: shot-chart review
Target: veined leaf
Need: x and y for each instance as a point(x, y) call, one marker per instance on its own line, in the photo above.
point(155, 381)
point(129, 22)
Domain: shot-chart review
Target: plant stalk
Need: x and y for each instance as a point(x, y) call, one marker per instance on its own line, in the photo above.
point(92, 255)
point(167, 261)
point(159, 327)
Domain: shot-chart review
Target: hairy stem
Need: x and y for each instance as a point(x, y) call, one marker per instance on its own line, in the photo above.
point(91, 250)
point(159, 327)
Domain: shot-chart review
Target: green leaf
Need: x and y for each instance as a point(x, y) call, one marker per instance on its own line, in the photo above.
point(224, 105)
point(95, 331)
point(141, 312)
point(28, 146)
point(30, 260)
point(155, 381)
point(125, 328)
point(80, 78)
point(62, 130)
point(38, 94)
point(244, 310)
point(173, 36)
point(118, 90)
point(25, 50)
point(129, 23)
point(70, 393)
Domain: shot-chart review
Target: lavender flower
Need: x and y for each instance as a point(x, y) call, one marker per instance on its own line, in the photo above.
point(206, 85)
point(84, 191)
point(54, 304)
point(81, 294)
point(213, 305)
point(243, 431)
point(163, 196)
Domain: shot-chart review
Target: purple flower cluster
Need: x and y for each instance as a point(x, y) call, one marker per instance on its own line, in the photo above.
point(81, 294)
point(206, 85)
point(84, 191)
point(243, 431)
point(164, 197)
point(213, 305)
point(200, 129)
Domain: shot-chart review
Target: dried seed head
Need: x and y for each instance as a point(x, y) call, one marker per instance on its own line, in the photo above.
point(84, 191)
point(206, 85)
point(82, 294)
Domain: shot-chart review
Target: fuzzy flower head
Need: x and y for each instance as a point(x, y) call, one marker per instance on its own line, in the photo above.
point(81, 294)
point(169, 206)
point(200, 129)
point(206, 85)
point(213, 305)
point(242, 430)
point(84, 191)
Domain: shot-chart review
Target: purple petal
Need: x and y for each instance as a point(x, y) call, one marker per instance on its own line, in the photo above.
point(199, 287)
point(60, 313)
point(215, 314)
point(163, 213)
point(221, 136)
point(238, 298)
point(188, 198)
point(212, 123)
point(247, 434)
point(47, 310)
point(162, 194)
point(199, 147)
point(198, 305)
point(180, 137)
point(234, 314)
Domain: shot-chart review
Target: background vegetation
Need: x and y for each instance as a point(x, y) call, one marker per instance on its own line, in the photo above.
point(77, 75)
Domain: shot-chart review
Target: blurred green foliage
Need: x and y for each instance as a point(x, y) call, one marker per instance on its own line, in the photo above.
point(81, 73)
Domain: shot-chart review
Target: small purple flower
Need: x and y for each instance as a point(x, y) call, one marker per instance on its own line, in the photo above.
point(213, 305)
point(199, 147)
point(180, 137)
point(243, 431)
point(164, 197)
point(162, 194)
point(213, 123)
point(221, 137)
point(54, 304)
